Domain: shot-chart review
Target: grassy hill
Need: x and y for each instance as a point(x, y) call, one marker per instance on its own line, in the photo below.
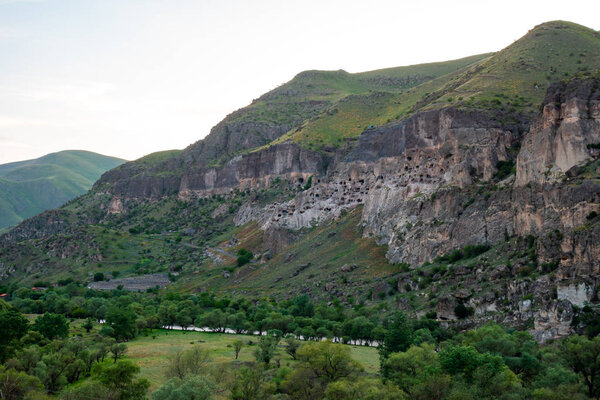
point(512, 80)
point(30, 187)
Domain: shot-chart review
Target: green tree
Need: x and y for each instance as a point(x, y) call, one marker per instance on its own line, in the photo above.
point(583, 357)
point(98, 276)
point(122, 322)
point(15, 385)
point(362, 389)
point(191, 387)
point(118, 350)
point(398, 336)
point(89, 325)
point(13, 327)
point(320, 364)
point(328, 360)
point(121, 378)
point(248, 384)
point(291, 346)
point(190, 362)
point(413, 367)
point(244, 257)
point(237, 347)
point(52, 325)
point(267, 345)
point(90, 390)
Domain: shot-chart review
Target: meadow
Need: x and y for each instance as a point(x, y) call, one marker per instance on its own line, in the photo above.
point(152, 352)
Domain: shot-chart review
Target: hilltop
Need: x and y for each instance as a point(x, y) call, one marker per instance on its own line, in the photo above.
point(32, 186)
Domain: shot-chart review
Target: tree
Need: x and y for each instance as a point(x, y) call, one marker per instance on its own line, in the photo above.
point(266, 349)
point(362, 389)
point(248, 384)
point(320, 364)
point(98, 276)
point(303, 307)
point(361, 329)
point(417, 371)
point(583, 357)
point(15, 385)
point(89, 325)
point(398, 336)
point(122, 322)
point(52, 325)
point(189, 362)
point(328, 360)
point(118, 350)
point(215, 320)
point(237, 346)
point(244, 257)
point(291, 346)
point(90, 390)
point(13, 327)
point(121, 378)
point(192, 387)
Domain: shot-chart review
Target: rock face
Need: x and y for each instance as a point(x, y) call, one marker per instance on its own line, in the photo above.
point(565, 135)
point(188, 179)
point(413, 181)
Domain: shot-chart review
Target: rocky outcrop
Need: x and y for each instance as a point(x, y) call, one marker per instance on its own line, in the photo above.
point(566, 135)
point(188, 179)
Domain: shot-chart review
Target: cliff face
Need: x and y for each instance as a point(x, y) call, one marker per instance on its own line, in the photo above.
point(424, 185)
point(565, 134)
point(252, 170)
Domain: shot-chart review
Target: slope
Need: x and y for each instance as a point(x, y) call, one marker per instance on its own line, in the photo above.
point(513, 80)
point(31, 186)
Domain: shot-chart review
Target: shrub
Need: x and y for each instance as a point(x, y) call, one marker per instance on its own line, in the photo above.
point(244, 257)
point(463, 311)
point(505, 168)
point(98, 276)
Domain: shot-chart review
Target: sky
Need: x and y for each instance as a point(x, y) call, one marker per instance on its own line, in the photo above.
point(129, 77)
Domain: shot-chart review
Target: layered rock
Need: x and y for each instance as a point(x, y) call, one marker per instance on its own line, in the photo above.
point(188, 179)
point(565, 136)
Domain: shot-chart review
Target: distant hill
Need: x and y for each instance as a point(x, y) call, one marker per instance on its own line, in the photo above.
point(32, 186)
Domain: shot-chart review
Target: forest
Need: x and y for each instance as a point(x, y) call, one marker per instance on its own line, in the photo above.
point(71, 342)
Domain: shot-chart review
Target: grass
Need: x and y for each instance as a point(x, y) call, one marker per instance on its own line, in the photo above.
point(152, 354)
point(326, 248)
point(30, 187)
point(511, 81)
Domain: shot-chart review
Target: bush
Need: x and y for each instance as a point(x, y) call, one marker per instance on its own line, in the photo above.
point(505, 168)
point(463, 311)
point(471, 251)
point(244, 257)
point(98, 276)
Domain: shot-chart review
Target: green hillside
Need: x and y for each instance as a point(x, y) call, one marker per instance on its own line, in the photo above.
point(512, 80)
point(32, 186)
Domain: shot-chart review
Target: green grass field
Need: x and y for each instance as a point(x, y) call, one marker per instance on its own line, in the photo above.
point(152, 352)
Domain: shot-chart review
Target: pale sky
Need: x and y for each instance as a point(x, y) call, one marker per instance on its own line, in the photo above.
point(130, 77)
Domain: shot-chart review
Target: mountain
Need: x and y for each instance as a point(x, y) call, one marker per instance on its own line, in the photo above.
point(32, 186)
point(469, 183)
